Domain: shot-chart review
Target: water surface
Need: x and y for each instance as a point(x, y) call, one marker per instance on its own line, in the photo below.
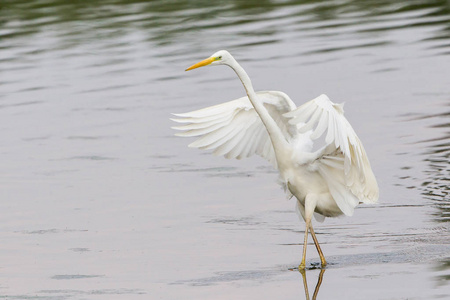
point(101, 201)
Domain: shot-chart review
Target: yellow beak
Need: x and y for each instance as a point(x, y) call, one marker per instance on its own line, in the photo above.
point(203, 63)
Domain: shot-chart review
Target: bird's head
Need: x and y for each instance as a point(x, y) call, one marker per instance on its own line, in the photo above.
point(222, 57)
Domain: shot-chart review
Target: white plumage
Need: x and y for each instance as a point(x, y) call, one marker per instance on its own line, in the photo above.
point(234, 129)
point(327, 182)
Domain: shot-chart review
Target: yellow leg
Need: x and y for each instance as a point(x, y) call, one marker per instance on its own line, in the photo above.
point(316, 242)
point(303, 263)
point(319, 282)
point(305, 283)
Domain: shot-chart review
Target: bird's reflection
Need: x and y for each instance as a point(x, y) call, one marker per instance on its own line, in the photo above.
point(305, 284)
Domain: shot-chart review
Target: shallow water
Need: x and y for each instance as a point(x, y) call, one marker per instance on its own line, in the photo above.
point(101, 201)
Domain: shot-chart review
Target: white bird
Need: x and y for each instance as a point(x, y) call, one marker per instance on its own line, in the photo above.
point(327, 182)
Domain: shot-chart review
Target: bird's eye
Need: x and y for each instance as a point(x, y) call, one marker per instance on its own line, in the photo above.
point(220, 57)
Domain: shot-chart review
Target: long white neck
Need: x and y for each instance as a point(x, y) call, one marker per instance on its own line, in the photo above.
point(276, 136)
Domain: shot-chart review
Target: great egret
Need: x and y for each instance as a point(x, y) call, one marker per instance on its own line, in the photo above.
point(327, 182)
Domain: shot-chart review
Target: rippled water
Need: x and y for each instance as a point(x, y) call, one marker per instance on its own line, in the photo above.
point(101, 201)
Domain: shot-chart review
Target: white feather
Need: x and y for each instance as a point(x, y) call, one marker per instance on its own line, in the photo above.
point(352, 174)
point(233, 128)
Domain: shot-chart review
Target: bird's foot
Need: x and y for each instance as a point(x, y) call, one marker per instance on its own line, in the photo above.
point(302, 266)
point(313, 266)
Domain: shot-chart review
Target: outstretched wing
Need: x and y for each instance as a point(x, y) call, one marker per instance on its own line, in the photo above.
point(343, 162)
point(233, 129)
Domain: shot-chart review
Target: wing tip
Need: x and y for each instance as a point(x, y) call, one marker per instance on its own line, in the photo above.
point(339, 107)
point(181, 115)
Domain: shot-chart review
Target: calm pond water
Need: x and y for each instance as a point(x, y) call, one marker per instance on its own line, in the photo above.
point(101, 201)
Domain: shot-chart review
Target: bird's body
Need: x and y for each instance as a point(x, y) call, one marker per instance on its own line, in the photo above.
point(327, 182)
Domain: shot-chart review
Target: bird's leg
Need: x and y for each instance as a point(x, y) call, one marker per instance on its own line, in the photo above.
point(305, 283)
point(319, 282)
point(303, 263)
point(310, 205)
point(316, 242)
